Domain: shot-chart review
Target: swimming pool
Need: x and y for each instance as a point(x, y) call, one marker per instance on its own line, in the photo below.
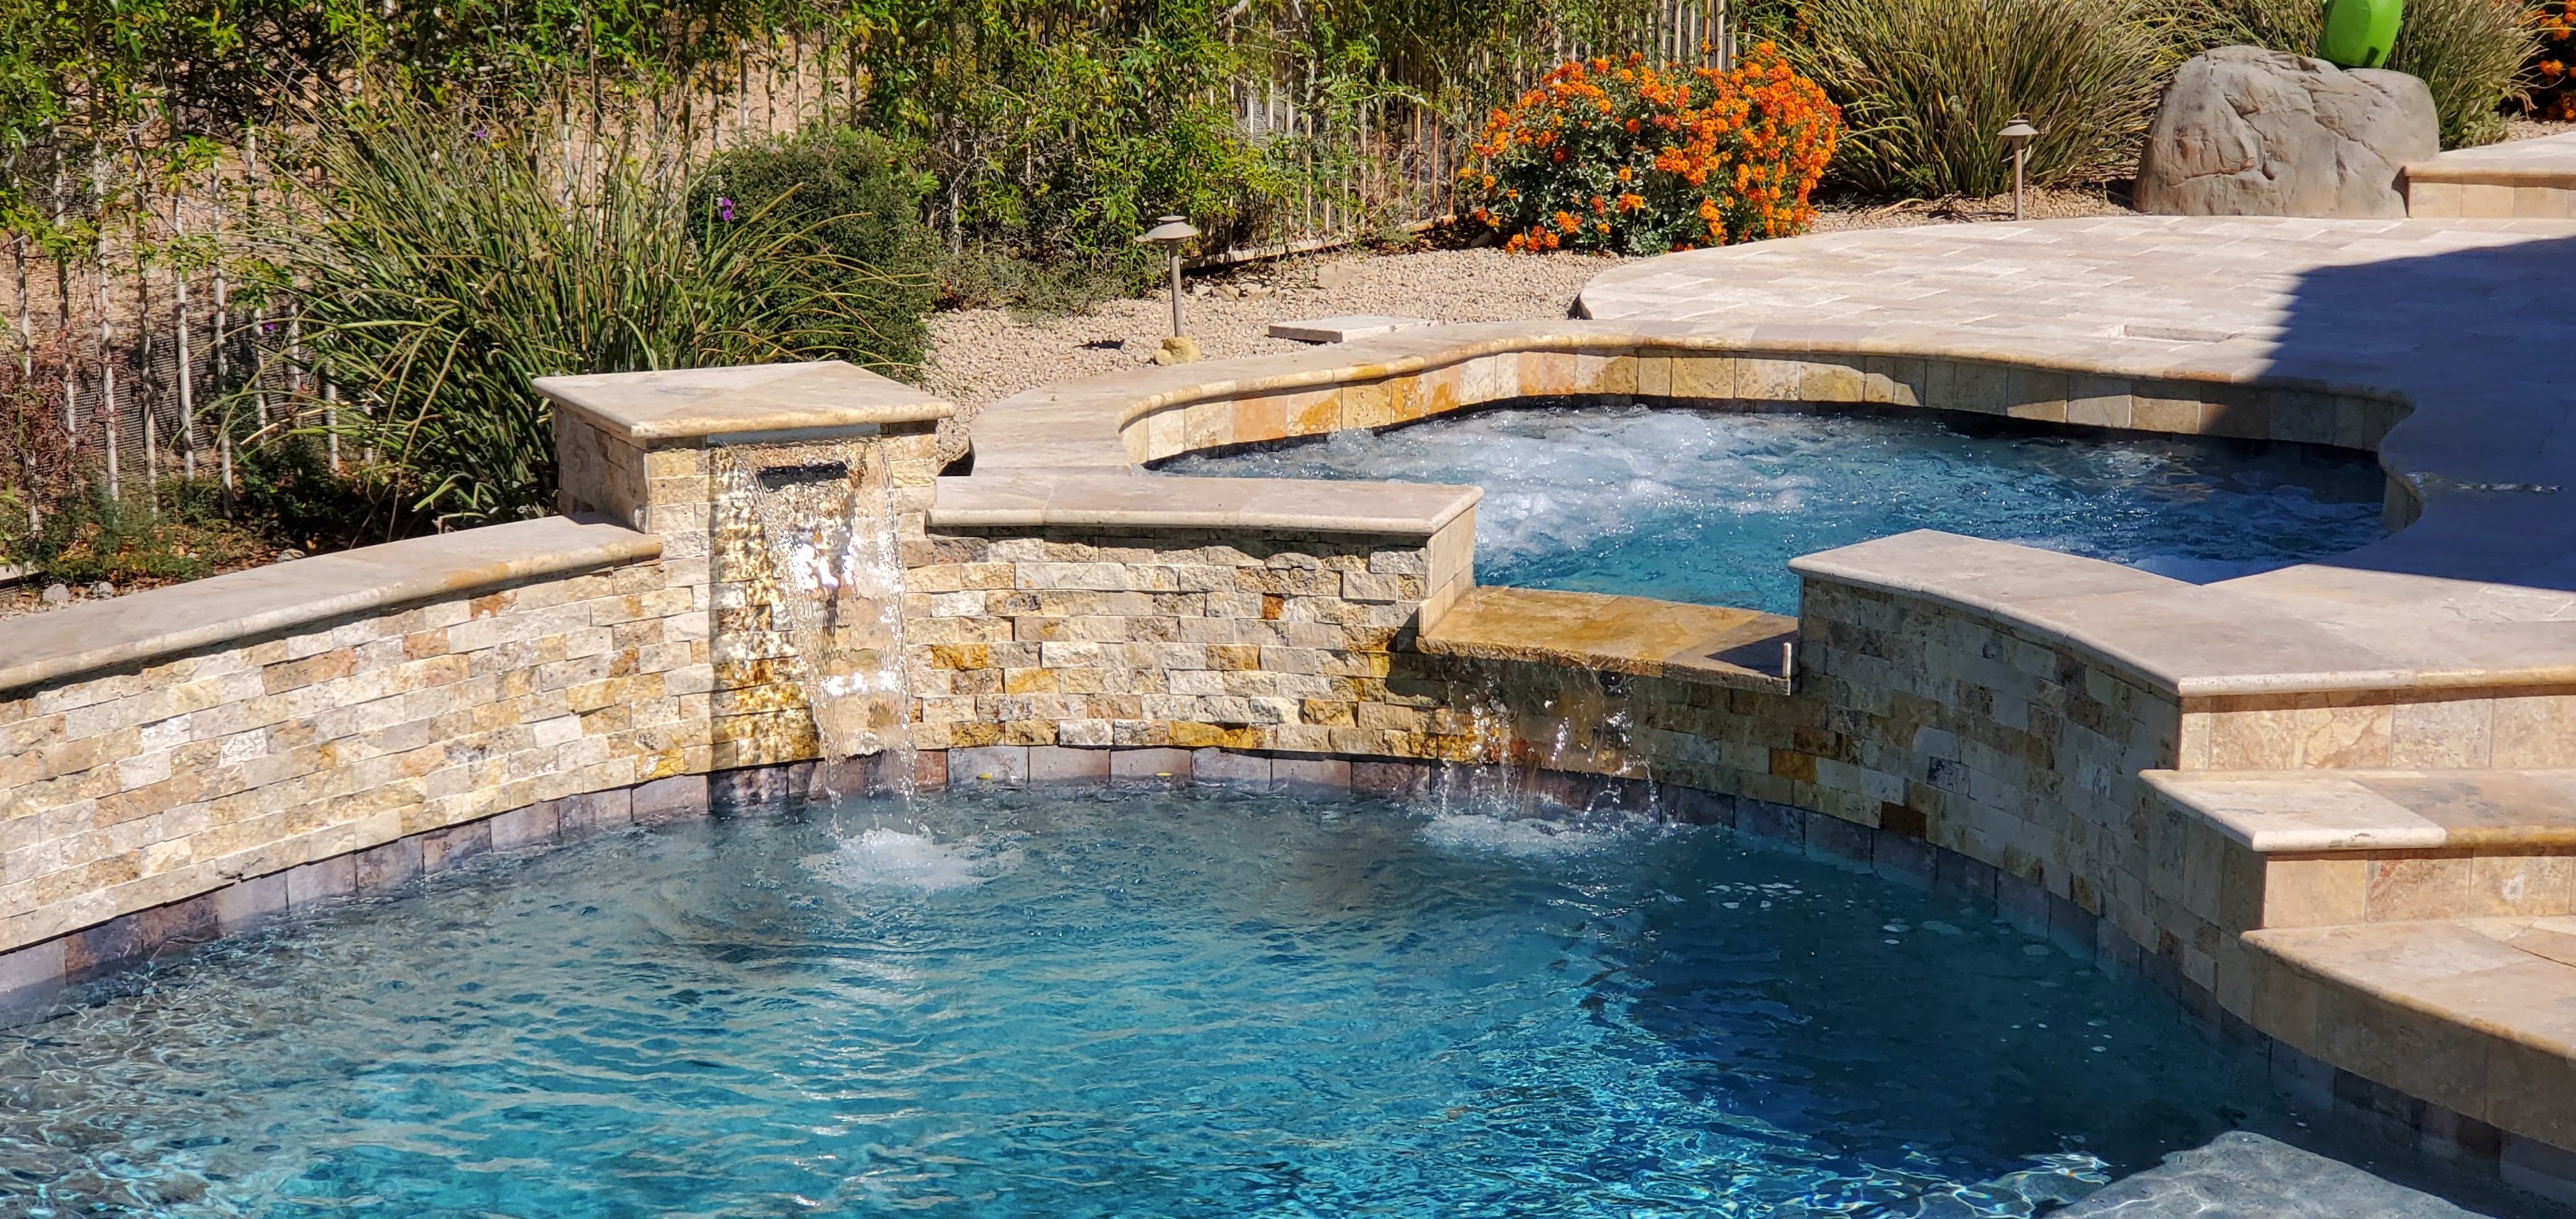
point(1180, 1003)
point(1707, 507)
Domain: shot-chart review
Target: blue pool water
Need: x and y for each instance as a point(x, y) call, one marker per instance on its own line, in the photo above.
point(1708, 507)
point(1133, 1004)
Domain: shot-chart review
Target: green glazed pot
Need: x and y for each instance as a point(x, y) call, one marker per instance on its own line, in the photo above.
point(2359, 32)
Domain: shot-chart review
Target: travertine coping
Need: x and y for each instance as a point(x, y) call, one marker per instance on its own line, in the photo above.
point(767, 403)
point(244, 605)
point(2549, 161)
point(1119, 422)
point(1742, 649)
point(2280, 812)
point(2337, 330)
point(2198, 641)
point(1270, 504)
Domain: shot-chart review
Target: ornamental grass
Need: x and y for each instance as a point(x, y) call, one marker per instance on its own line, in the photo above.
point(1621, 156)
point(451, 264)
point(1926, 84)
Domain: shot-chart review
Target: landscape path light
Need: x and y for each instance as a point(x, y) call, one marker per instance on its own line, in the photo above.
point(1169, 233)
point(2018, 134)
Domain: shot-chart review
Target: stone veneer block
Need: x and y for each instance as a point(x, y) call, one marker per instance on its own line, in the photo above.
point(104, 949)
point(677, 798)
point(1148, 764)
point(379, 871)
point(1005, 764)
point(1311, 776)
point(1399, 780)
point(2538, 1167)
point(585, 814)
point(1826, 381)
point(1765, 821)
point(31, 975)
point(2098, 401)
point(1056, 764)
point(2037, 394)
point(2164, 406)
point(1842, 843)
point(245, 907)
point(1904, 860)
point(441, 850)
point(320, 884)
point(1765, 380)
point(1226, 767)
point(526, 828)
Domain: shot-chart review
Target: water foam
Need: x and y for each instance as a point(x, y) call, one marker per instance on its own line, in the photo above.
point(1709, 507)
point(884, 858)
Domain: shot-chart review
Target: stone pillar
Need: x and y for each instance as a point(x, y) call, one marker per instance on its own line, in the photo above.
point(672, 454)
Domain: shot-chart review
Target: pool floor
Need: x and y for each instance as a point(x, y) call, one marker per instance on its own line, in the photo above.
point(1709, 506)
point(1124, 1003)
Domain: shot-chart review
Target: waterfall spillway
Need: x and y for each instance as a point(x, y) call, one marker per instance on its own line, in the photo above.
point(822, 587)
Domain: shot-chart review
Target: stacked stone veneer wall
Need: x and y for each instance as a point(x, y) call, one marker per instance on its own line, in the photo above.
point(132, 789)
point(757, 706)
point(1185, 639)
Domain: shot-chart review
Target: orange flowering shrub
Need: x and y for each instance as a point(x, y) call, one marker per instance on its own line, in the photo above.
point(2554, 21)
point(1612, 155)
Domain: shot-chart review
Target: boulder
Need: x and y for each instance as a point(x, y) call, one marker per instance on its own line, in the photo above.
point(2249, 132)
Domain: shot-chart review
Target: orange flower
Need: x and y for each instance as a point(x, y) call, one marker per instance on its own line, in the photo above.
point(1736, 154)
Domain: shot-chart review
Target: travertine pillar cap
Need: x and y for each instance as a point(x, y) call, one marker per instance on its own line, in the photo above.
point(747, 404)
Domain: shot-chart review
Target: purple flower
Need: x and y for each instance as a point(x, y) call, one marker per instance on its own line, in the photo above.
point(724, 210)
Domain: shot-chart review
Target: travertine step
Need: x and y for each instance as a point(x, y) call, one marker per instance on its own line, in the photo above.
point(1745, 649)
point(2299, 811)
point(2311, 848)
point(2476, 1015)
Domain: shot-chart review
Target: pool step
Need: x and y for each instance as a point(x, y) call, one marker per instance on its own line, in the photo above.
point(2475, 1015)
point(2308, 848)
point(1743, 649)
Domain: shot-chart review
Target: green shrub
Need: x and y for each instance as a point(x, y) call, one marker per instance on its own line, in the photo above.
point(2470, 53)
point(1925, 85)
point(89, 536)
point(854, 199)
point(448, 266)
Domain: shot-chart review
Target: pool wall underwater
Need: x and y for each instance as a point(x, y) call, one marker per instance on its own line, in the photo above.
point(189, 762)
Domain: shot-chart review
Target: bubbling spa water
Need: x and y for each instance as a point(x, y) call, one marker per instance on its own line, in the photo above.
point(1709, 507)
point(1119, 1003)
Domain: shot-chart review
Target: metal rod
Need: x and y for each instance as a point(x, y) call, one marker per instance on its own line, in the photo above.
point(1176, 290)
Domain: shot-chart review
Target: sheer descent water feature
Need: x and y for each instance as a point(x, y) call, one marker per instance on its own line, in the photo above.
point(807, 555)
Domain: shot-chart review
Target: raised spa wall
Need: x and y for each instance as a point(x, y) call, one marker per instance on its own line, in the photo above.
point(191, 761)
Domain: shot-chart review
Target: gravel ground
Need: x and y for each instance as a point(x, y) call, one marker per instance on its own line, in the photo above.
point(2519, 128)
point(980, 355)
